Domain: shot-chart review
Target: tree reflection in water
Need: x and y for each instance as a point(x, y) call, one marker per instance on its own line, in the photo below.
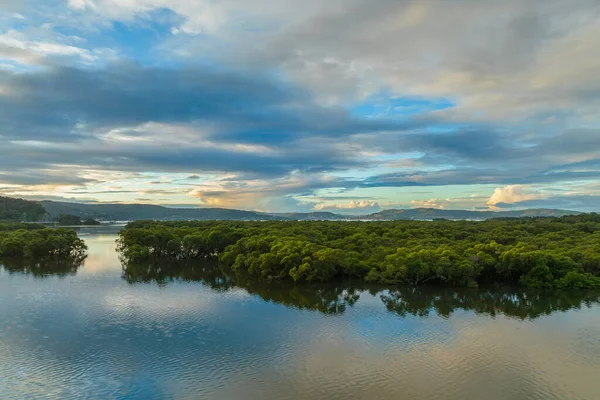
point(326, 298)
point(511, 302)
point(334, 298)
point(43, 267)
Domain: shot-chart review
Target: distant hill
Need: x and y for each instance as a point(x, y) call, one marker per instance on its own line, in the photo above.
point(131, 212)
point(312, 216)
point(20, 210)
point(433, 213)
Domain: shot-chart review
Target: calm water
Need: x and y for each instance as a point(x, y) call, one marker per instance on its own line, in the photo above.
point(140, 332)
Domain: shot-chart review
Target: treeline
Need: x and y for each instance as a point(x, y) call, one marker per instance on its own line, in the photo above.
point(335, 298)
point(8, 226)
point(68, 219)
point(536, 252)
point(38, 242)
point(20, 210)
point(12, 210)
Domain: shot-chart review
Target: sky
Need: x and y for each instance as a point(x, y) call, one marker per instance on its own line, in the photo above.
point(350, 106)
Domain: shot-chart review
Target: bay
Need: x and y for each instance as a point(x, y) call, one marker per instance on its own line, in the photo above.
point(158, 331)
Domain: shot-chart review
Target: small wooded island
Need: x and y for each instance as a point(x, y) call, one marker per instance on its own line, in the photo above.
point(35, 241)
point(73, 220)
point(536, 252)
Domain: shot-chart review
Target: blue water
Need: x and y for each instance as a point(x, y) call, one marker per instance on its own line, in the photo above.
point(105, 330)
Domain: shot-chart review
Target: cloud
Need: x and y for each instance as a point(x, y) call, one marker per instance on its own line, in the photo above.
point(467, 202)
point(263, 195)
point(9, 4)
point(41, 177)
point(199, 16)
point(40, 46)
point(510, 59)
point(240, 107)
point(352, 207)
point(491, 65)
point(15, 40)
point(131, 118)
point(18, 54)
point(581, 202)
point(358, 98)
point(440, 204)
point(512, 194)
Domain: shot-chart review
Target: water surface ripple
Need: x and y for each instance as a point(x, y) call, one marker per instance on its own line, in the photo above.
point(109, 331)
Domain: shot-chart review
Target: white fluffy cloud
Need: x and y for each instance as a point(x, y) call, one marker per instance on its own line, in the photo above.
point(439, 204)
point(352, 207)
point(513, 194)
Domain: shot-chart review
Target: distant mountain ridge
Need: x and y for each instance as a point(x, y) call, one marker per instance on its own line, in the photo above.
point(317, 215)
point(130, 212)
point(433, 213)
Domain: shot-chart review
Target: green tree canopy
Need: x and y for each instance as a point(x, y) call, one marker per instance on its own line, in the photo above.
point(534, 252)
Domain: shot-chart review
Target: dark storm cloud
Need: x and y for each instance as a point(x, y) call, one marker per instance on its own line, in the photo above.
point(487, 156)
point(485, 143)
point(62, 101)
point(70, 111)
point(474, 143)
point(470, 176)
